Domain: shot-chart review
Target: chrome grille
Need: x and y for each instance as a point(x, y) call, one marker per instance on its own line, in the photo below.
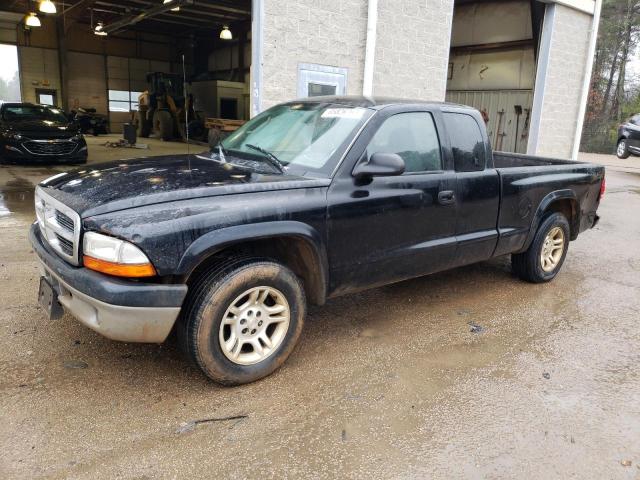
point(64, 221)
point(49, 147)
point(65, 245)
point(59, 225)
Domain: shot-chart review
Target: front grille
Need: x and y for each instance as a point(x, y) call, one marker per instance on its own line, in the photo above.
point(59, 226)
point(64, 221)
point(49, 147)
point(65, 245)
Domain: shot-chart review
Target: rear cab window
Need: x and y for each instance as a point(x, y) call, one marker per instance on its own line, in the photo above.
point(467, 144)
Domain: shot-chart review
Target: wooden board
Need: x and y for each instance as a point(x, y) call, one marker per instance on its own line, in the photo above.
point(223, 124)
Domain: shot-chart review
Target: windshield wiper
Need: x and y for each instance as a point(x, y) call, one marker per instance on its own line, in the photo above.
point(221, 155)
point(273, 160)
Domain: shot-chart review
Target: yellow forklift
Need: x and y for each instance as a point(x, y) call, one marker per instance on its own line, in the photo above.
point(161, 108)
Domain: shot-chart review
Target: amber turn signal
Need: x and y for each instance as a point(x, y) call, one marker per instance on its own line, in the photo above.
point(119, 269)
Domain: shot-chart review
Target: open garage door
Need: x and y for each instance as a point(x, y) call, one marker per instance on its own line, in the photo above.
point(492, 66)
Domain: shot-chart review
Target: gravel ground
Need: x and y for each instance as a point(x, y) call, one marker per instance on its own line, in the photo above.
point(464, 374)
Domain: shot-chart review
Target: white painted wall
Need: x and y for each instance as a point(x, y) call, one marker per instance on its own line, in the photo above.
point(558, 88)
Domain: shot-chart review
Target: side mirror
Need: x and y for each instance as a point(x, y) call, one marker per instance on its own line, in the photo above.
point(380, 165)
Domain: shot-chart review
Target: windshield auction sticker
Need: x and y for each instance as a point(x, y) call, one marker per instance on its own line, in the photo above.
point(354, 113)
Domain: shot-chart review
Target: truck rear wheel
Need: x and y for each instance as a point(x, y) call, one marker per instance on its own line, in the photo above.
point(546, 254)
point(242, 320)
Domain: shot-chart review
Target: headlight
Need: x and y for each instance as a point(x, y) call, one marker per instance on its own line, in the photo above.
point(76, 138)
point(12, 136)
point(115, 257)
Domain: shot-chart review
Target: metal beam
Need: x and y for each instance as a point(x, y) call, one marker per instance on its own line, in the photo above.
point(78, 8)
point(73, 13)
point(200, 6)
point(147, 14)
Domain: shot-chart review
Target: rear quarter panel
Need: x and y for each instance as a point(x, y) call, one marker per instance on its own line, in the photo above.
point(528, 191)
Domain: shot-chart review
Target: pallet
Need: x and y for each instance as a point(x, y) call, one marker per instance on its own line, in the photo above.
point(223, 124)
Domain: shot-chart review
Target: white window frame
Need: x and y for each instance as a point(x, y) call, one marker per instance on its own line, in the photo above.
point(132, 101)
point(322, 75)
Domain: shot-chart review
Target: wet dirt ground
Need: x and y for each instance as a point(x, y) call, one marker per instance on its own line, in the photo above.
point(465, 374)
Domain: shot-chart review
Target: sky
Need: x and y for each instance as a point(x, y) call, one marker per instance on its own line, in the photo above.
point(633, 68)
point(8, 61)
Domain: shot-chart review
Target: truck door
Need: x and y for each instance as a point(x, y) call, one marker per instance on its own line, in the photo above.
point(477, 189)
point(390, 228)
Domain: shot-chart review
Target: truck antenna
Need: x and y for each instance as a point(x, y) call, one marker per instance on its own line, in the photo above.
point(186, 102)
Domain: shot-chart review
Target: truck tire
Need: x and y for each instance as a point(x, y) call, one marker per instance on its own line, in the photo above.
point(622, 151)
point(163, 124)
point(144, 125)
point(242, 319)
point(546, 254)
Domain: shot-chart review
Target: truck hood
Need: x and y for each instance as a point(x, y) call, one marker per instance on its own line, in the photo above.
point(120, 185)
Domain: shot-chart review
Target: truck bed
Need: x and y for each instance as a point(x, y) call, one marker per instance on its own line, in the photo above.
point(525, 183)
point(514, 160)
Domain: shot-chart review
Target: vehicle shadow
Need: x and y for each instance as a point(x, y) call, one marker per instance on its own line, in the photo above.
point(338, 322)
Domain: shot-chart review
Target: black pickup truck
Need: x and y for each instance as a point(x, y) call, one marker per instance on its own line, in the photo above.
point(309, 200)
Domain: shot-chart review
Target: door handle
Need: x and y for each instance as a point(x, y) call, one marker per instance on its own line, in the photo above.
point(446, 197)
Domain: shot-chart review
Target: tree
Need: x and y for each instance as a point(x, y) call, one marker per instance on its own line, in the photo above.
point(612, 92)
point(10, 90)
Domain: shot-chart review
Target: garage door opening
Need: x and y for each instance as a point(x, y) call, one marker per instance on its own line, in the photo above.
point(9, 74)
point(492, 65)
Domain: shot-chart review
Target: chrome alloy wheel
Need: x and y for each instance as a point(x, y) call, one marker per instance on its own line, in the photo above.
point(254, 325)
point(552, 249)
point(622, 148)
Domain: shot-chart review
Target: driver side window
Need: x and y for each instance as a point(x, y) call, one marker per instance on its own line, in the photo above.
point(411, 135)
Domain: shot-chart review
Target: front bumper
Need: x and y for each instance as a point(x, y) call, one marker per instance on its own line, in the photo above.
point(123, 310)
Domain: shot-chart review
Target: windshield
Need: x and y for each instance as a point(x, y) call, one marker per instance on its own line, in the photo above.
point(33, 112)
point(302, 137)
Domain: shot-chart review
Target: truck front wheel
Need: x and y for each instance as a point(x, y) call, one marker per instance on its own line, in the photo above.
point(242, 320)
point(546, 254)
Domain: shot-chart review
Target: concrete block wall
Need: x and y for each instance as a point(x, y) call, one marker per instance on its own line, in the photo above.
point(563, 82)
point(412, 48)
point(326, 32)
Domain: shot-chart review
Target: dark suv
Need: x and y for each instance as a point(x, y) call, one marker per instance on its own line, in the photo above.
point(629, 138)
point(39, 133)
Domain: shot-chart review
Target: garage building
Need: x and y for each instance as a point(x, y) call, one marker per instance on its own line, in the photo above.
point(524, 63)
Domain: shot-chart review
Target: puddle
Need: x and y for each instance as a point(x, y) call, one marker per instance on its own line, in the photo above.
point(16, 197)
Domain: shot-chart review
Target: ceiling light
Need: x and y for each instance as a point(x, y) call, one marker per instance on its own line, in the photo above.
point(47, 6)
point(32, 20)
point(225, 33)
point(176, 9)
point(99, 30)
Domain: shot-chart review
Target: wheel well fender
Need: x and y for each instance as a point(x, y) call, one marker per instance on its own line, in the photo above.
point(297, 245)
point(562, 201)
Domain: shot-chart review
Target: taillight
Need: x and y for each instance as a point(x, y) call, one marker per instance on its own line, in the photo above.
point(603, 187)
